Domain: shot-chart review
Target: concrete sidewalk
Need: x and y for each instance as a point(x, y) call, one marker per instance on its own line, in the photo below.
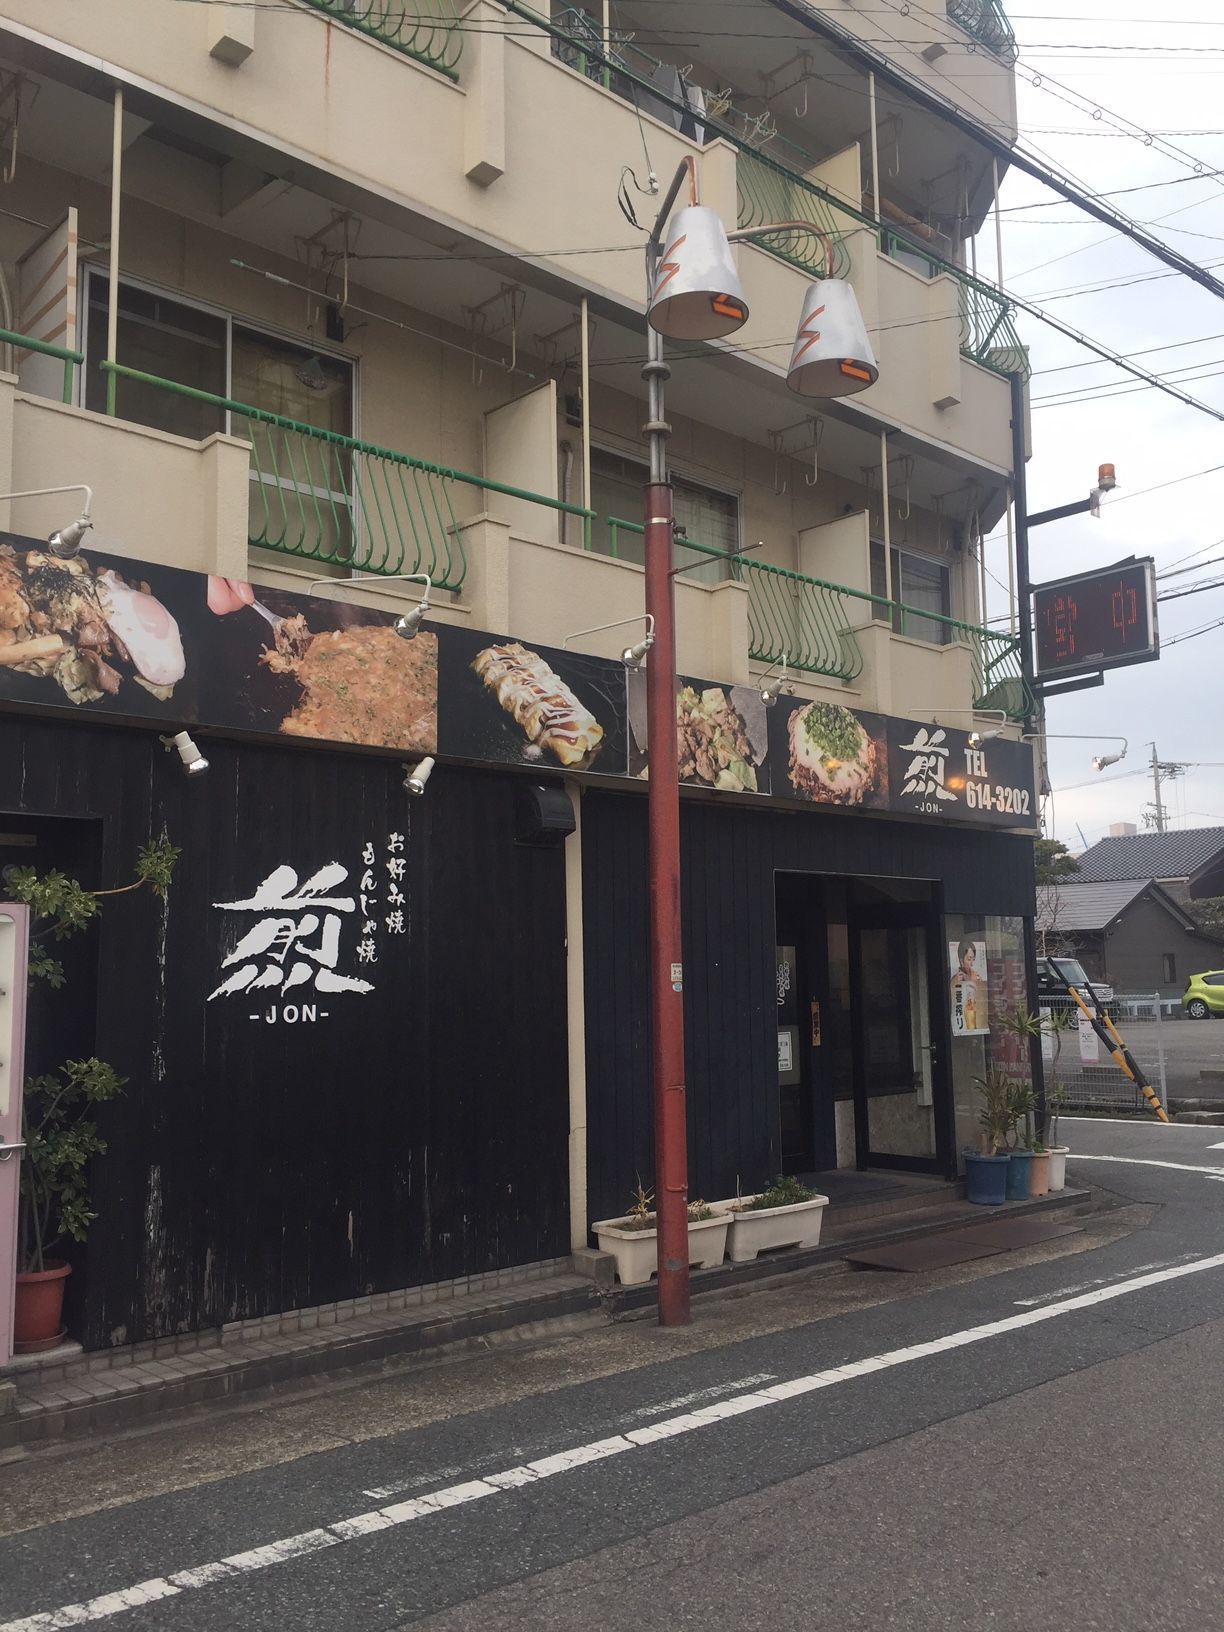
point(69, 1393)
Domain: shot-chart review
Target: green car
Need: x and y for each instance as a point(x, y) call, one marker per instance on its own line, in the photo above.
point(1204, 995)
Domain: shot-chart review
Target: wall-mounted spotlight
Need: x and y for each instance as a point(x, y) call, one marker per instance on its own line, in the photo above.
point(781, 686)
point(632, 656)
point(194, 763)
point(65, 541)
point(415, 781)
point(408, 625)
point(1100, 762)
point(977, 737)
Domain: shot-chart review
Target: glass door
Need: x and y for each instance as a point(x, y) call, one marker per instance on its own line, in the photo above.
point(899, 1081)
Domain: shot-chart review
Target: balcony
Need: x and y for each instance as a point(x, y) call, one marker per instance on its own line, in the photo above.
point(426, 30)
point(986, 21)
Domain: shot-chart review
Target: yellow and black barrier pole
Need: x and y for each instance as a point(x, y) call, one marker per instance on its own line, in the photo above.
point(1122, 1056)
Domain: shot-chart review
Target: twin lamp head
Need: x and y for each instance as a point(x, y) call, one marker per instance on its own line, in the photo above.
point(696, 294)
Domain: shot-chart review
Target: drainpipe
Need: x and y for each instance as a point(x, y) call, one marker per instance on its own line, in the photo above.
point(575, 1008)
point(112, 293)
point(586, 423)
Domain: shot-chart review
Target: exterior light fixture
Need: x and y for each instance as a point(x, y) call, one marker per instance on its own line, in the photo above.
point(414, 782)
point(632, 656)
point(408, 625)
point(977, 737)
point(1100, 762)
point(194, 763)
point(696, 292)
point(65, 541)
point(832, 356)
point(781, 687)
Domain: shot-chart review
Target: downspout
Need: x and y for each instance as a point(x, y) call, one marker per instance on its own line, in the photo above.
point(575, 1012)
point(567, 480)
point(112, 292)
point(586, 423)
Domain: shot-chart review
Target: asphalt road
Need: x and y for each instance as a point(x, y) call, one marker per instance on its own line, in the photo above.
point(1032, 1439)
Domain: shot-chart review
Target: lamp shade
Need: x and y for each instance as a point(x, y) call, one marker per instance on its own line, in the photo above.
point(832, 355)
point(697, 293)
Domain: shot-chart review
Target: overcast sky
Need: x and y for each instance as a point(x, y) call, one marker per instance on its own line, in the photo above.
point(1049, 248)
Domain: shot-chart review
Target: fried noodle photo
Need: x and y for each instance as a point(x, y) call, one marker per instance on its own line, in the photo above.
point(85, 627)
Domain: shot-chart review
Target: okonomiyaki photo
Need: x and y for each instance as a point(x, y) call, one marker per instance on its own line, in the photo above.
point(540, 703)
point(833, 758)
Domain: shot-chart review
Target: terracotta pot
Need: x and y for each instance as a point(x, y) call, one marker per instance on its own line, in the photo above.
point(38, 1316)
point(1039, 1174)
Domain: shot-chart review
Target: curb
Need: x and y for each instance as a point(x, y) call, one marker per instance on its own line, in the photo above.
point(121, 1397)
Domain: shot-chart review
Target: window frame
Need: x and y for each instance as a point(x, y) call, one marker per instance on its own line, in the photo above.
point(1169, 965)
point(736, 497)
point(891, 614)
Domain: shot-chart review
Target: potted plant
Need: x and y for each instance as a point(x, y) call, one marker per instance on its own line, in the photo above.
point(1020, 1106)
point(633, 1239)
point(1039, 1170)
point(787, 1214)
point(1056, 1099)
point(986, 1169)
point(60, 1138)
point(58, 1127)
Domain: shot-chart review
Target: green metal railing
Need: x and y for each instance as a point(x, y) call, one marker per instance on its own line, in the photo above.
point(987, 22)
point(769, 192)
point(427, 30)
point(814, 626)
point(988, 329)
point(342, 502)
point(70, 359)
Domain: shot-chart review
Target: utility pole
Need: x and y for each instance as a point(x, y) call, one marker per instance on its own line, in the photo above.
point(1159, 803)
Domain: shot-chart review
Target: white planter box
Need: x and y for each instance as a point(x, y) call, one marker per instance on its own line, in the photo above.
point(751, 1232)
point(1058, 1166)
point(637, 1251)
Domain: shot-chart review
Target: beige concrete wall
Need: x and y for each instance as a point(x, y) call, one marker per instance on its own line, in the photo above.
point(535, 166)
point(156, 497)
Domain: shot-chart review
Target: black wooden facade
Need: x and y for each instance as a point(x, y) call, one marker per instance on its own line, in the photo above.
point(417, 1133)
point(731, 857)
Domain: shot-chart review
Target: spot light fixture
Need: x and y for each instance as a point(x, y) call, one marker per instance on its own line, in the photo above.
point(1100, 762)
point(415, 781)
point(780, 687)
point(408, 625)
point(65, 542)
point(632, 656)
point(193, 761)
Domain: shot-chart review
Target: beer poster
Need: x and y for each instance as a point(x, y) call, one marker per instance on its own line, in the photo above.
point(970, 988)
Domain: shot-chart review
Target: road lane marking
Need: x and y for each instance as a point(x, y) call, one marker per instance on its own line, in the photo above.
point(1141, 1122)
point(1134, 1161)
point(1100, 1280)
point(361, 1525)
point(701, 1394)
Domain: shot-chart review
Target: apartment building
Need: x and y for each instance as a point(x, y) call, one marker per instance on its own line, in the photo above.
point(336, 308)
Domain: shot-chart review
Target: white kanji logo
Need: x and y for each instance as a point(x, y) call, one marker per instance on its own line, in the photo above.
point(296, 942)
point(925, 773)
point(395, 923)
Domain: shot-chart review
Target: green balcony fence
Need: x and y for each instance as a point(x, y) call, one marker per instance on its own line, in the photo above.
point(768, 192)
point(342, 502)
point(813, 625)
point(987, 22)
point(70, 359)
point(427, 30)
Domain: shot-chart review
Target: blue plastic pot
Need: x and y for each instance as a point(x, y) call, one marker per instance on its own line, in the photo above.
point(1018, 1175)
point(986, 1178)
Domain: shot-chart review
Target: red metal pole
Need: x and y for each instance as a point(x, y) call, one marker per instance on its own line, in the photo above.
point(666, 965)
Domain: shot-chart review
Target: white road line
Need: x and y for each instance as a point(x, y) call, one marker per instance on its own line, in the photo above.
point(386, 1518)
point(1100, 1280)
point(1134, 1161)
point(1137, 1122)
point(700, 1394)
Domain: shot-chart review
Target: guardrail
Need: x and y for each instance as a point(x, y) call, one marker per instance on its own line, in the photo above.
point(427, 30)
point(70, 359)
point(814, 625)
point(343, 502)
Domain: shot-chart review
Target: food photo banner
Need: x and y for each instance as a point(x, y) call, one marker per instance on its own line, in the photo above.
point(136, 641)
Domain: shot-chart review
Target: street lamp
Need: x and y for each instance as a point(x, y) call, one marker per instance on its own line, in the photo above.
point(695, 294)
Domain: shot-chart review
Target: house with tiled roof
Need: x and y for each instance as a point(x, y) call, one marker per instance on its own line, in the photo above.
point(1132, 934)
point(1187, 864)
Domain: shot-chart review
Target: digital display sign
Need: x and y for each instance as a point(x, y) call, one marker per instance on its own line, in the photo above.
point(1102, 619)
